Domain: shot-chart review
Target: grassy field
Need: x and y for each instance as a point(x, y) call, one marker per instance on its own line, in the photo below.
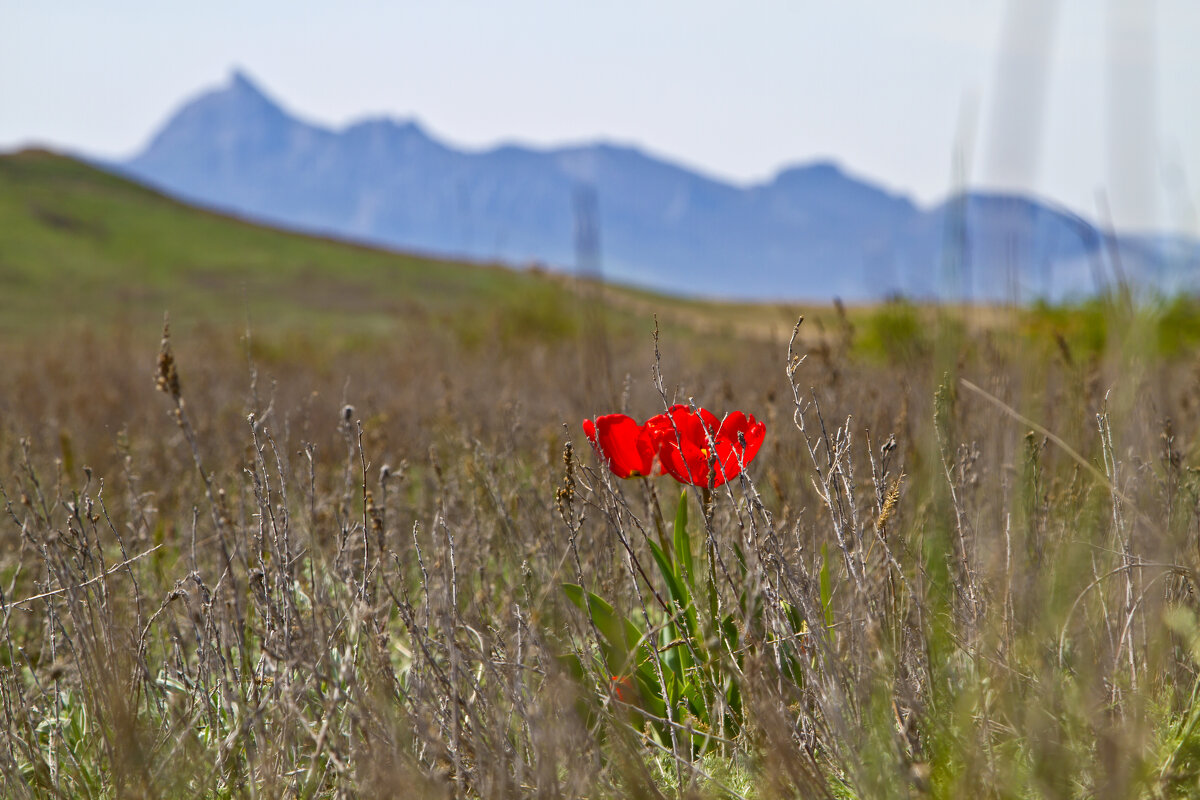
point(341, 535)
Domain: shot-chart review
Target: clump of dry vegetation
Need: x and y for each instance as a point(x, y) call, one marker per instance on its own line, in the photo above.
point(962, 567)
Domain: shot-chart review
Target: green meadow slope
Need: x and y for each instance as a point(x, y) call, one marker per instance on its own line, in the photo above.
point(79, 245)
point(82, 248)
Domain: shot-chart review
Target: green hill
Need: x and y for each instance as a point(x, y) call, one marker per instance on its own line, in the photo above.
point(81, 246)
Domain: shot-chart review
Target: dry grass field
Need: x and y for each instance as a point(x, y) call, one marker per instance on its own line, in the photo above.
point(295, 550)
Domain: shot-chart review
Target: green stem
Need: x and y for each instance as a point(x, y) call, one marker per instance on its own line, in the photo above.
point(660, 525)
point(706, 508)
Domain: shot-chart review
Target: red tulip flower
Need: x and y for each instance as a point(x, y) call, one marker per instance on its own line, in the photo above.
point(627, 446)
point(624, 689)
point(698, 449)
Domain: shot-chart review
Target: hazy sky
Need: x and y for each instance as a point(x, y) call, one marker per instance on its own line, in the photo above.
point(1065, 99)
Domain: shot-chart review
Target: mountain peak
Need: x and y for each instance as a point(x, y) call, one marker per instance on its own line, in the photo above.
point(245, 89)
point(233, 124)
point(240, 80)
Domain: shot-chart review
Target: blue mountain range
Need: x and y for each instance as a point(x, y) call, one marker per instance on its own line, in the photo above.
point(812, 232)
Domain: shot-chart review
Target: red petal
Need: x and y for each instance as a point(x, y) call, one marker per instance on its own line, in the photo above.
point(624, 689)
point(755, 435)
point(647, 450)
point(681, 425)
point(682, 441)
point(686, 466)
point(621, 442)
point(732, 456)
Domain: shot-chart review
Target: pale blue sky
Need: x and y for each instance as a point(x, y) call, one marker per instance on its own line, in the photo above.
point(1060, 99)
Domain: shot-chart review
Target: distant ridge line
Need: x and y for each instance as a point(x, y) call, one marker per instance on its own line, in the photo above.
point(812, 232)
